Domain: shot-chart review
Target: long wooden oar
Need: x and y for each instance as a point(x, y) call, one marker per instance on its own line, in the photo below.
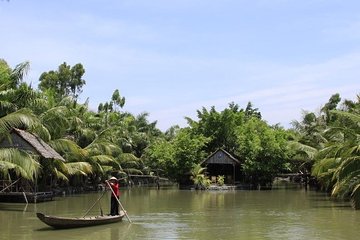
point(94, 204)
point(122, 208)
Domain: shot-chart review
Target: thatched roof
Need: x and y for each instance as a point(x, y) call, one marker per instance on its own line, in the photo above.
point(41, 147)
point(220, 156)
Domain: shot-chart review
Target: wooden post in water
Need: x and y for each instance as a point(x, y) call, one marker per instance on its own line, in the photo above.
point(26, 200)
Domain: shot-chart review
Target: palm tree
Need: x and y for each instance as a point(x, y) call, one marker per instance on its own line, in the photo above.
point(53, 127)
point(198, 176)
point(339, 161)
point(13, 94)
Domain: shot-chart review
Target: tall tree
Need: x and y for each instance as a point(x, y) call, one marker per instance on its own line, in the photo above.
point(218, 126)
point(263, 150)
point(66, 81)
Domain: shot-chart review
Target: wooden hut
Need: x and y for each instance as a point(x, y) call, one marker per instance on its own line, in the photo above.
point(223, 163)
point(31, 143)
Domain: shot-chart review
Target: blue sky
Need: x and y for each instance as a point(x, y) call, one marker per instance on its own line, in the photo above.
point(172, 57)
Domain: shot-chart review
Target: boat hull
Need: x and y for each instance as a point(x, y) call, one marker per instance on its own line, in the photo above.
point(76, 222)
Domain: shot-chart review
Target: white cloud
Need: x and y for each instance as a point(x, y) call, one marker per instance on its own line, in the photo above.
point(294, 89)
point(158, 67)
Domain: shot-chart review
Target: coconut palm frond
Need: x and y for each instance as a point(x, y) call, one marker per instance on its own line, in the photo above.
point(20, 71)
point(107, 134)
point(128, 157)
point(69, 147)
point(103, 147)
point(197, 170)
point(107, 169)
point(55, 120)
point(83, 168)
point(60, 175)
point(355, 197)
point(98, 168)
point(349, 167)
point(76, 121)
point(344, 187)
point(24, 164)
point(87, 133)
point(303, 149)
point(6, 107)
point(352, 117)
point(67, 101)
point(103, 159)
point(5, 166)
point(41, 131)
point(41, 104)
point(134, 164)
point(334, 149)
point(324, 165)
point(355, 150)
point(21, 118)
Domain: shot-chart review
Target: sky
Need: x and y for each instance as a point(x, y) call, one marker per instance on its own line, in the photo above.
point(170, 58)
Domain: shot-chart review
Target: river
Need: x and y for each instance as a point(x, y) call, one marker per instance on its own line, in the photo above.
point(284, 213)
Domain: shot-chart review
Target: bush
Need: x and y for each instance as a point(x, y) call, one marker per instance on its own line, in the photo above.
point(220, 180)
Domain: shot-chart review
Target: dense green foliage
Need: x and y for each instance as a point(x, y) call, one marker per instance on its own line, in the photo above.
point(330, 141)
point(110, 141)
point(261, 148)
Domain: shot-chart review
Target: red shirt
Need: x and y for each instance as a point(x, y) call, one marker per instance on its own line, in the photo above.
point(115, 188)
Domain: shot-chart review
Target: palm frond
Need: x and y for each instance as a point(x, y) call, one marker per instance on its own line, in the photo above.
point(103, 159)
point(303, 149)
point(6, 107)
point(60, 175)
point(24, 164)
point(83, 168)
point(128, 157)
point(352, 117)
point(20, 71)
point(323, 166)
point(348, 167)
point(55, 120)
point(102, 147)
point(70, 148)
point(18, 119)
point(41, 131)
point(355, 197)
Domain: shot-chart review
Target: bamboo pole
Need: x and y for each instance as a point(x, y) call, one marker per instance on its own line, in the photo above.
point(94, 204)
point(122, 208)
point(10, 185)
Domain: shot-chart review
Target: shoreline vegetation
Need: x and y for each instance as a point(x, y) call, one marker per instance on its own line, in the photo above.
point(90, 146)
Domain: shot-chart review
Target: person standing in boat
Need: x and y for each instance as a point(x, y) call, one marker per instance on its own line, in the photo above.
point(114, 204)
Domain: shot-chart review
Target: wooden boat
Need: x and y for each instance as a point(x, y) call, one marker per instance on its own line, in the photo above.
point(74, 222)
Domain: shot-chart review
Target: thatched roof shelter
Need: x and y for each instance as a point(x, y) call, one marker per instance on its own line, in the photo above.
point(30, 142)
point(223, 163)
